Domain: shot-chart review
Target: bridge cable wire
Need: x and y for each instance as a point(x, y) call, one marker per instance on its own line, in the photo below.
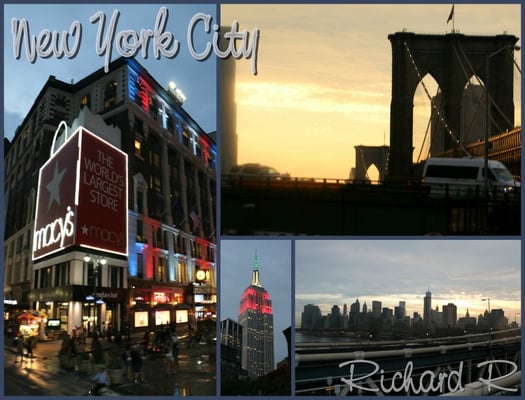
point(440, 115)
point(424, 140)
point(501, 113)
point(469, 73)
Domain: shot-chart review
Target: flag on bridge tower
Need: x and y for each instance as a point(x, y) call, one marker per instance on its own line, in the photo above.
point(451, 15)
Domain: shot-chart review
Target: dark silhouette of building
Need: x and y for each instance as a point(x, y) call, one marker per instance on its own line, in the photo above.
point(231, 349)
point(311, 317)
point(427, 310)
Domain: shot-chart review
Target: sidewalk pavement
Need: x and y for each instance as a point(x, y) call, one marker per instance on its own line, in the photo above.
point(195, 373)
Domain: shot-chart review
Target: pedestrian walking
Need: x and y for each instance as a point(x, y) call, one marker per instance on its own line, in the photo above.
point(126, 358)
point(29, 348)
point(81, 335)
point(109, 332)
point(20, 348)
point(175, 347)
point(100, 380)
point(170, 359)
point(136, 365)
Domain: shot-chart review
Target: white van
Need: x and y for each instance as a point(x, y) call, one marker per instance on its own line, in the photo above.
point(464, 177)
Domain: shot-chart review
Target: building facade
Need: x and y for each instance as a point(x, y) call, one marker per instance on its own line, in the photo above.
point(256, 319)
point(169, 273)
point(231, 349)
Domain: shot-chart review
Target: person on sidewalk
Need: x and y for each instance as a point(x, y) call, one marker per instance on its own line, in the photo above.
point(20, 348)
point(126, 358)
point(29, 348)
point(170, 360)
point(100, 380)
point(136, 365)
point(175, 347)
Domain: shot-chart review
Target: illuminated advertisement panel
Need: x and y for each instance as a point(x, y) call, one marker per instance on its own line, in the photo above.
point(102, 196)
point(182, 316)
point(141, 319)
point(162, 317)
point(82, 197)
point(56, 209)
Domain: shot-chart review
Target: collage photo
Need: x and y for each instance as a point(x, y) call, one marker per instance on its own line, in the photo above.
point(273, 200)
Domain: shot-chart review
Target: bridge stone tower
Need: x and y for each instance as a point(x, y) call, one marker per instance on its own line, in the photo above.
point(452, 60)
point(365, 156)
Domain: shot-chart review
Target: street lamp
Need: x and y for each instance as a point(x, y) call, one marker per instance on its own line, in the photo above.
point(96, 262)
point(488, 300)
point(488, 122)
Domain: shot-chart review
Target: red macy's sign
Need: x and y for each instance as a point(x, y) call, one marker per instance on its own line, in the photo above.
point(82, 197)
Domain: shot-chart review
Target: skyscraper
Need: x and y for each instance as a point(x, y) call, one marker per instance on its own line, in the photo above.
point(427, 309)
point(256, 318)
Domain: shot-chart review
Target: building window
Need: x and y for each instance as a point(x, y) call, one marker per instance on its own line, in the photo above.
point(140, 230)
point(110, 95)
point(138, 148)
point(182, 275)
point(153, 108)
point(169, 123)
point(140, 265)
point(45, 277)
point(155, 159)
point(86, 101)
point(62, 274)
point(116, 277)
point(161, 270)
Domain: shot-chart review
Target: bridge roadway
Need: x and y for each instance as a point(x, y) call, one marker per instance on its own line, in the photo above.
point(338, 207)
point(411, 367)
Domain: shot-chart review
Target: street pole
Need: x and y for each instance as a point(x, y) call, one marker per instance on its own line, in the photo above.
point(488, 121)
point(96, 262)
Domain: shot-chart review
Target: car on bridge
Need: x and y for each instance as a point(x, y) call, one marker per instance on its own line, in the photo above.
point(256, 171)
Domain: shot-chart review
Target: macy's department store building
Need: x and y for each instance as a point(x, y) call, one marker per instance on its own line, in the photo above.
point(110, 219)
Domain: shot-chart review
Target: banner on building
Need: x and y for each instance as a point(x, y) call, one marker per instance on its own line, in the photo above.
point(82, 197)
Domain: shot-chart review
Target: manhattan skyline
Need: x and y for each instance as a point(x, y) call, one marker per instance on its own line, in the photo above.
point(462, 272)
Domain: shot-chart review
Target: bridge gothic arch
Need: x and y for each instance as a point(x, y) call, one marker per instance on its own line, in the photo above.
point(451, 59)
point(366, 156)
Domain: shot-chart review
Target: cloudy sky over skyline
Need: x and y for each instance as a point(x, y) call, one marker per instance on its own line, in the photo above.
point(459, 271)
point(324, 78)
point(275, 272)
point(24, 80)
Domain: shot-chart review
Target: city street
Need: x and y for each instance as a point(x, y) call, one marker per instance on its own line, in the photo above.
point(41, 375)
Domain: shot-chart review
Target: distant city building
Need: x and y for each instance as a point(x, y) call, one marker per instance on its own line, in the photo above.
point(376, 308)
point(256, 318)
point(427, 308)
point(231, 349)
point(472, 123)
point(450, 315)
point(311, 317)
point(467, 322)
point(335, 317)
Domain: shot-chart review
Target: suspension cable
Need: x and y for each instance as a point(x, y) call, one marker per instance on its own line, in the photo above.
point(440, 115)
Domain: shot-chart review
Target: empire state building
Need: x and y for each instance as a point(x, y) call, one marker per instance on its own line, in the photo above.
point(256, 318)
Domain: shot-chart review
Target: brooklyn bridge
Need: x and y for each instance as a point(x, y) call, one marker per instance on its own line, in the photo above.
point(397, 203)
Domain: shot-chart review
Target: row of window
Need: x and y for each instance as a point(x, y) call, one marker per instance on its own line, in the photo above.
point(60, 275)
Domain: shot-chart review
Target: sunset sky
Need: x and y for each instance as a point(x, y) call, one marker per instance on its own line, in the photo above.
point(324, 78)
point(462, 272)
